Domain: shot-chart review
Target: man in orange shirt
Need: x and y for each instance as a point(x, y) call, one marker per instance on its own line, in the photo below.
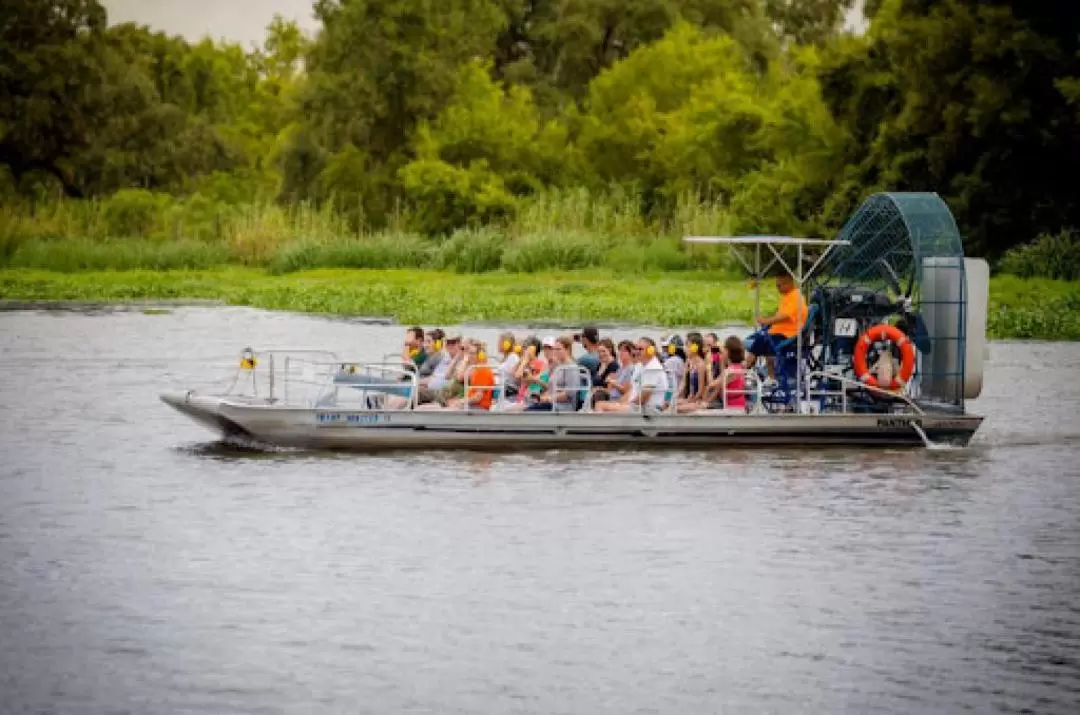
point(786, 323)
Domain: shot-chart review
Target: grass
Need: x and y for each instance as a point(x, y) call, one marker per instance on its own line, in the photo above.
point(1019, 308)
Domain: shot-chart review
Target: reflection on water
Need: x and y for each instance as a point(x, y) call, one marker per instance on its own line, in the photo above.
point(147, 567)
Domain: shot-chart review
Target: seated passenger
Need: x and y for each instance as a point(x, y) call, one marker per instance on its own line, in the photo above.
point(786, 323)
point(509, 360)
point(729, 391)
point(433, 353)
point(564, 384)
point(589, 337)
point(607, 365)
point(674, 361)
point(478, 378)
point(412, 351)
point(649, 383)
point(691, 394)
point(714, 355)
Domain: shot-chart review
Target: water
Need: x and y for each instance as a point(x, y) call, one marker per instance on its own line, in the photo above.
point(146, 568)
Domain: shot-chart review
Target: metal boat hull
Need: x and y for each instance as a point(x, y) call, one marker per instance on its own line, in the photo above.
point(361, 430)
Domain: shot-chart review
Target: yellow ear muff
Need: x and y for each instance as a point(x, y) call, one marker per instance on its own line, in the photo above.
point(517, 349)
point(413, 352)
point(671, 349)
point(650, 351)
point(506, 345)
point(438, 345)
point(248, 361)
point(481, 356)
point(693, 348)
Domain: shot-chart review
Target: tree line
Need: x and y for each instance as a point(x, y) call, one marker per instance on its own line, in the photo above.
point(455, 113)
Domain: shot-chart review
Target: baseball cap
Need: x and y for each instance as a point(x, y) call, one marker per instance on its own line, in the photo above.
point(549, 341)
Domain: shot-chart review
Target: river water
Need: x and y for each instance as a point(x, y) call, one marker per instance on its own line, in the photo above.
point(146, 568)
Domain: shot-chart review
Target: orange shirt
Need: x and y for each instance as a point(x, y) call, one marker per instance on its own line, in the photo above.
point(481, 377)
point(792, 309)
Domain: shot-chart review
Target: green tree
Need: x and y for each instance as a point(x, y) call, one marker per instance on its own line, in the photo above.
point(485, 148)
point(691, 114)
point(964, 98)
point(51, 57)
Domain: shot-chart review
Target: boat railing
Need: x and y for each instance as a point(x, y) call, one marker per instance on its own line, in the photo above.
point(847, 385)
point(751, 392)
point(258, 373)
point(348, 385)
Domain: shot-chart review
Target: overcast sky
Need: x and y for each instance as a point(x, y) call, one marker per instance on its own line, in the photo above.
point(242, 21)
point(239, 20)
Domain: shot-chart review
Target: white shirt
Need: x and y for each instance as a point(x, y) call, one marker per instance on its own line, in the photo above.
point(653, 378)
point(508, 366)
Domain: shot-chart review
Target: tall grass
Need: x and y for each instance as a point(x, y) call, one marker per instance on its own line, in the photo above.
point(561, 230)
point(1048, 256)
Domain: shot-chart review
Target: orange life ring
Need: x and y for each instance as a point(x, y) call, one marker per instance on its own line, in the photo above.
point(907, 355)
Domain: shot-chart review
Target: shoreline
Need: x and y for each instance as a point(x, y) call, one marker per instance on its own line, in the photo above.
point(1020, 309)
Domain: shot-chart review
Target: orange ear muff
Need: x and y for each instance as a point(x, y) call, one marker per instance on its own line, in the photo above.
point(671, 349)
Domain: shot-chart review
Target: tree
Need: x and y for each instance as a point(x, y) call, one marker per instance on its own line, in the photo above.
point(51, 56)
point(965, 98)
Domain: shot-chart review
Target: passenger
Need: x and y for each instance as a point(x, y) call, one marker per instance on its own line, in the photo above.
point(715, 355)
point(617, 386)
point(433, 353)
point(589, 337)
point(674, 362)
point(548, 350)
point(480, 378)
point(534, 374)
point(606, 366)
point(649, 383)
point(509, 360)
point(563, 390)
point(696, 380)
point(434, 388)
point(729, 392)
point(788, 320)
point(413, 349)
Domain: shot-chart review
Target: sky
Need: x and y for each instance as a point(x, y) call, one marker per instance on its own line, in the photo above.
point(242, 21)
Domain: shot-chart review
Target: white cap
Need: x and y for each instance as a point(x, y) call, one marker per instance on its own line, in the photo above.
point(549, 342)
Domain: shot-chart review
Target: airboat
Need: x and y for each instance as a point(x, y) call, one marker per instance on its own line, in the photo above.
point(894, 279)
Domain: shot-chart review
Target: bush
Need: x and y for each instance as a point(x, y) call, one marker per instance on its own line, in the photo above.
point(553, 251)
point(1048, 256)
point(70, 255)
point(473, 251)
point(379, 251)
point(133, 212)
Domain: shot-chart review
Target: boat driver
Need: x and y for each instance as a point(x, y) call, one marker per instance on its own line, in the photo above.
point(785, 323)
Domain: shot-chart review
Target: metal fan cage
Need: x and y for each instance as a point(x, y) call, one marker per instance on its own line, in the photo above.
point(909, 243)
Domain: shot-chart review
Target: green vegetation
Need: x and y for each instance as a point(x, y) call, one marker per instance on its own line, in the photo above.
point(1030, 309)
point(420, 118)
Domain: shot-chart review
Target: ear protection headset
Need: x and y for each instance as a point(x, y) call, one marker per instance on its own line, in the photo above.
point(437, 344)
point(413, 352)
point(671, 349)
point(481, 355)
point(650, 351)
point(506, 345)
point(693, 348)
point(517, 349)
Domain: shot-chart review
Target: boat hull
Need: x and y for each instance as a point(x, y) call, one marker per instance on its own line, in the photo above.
point(344, 429)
